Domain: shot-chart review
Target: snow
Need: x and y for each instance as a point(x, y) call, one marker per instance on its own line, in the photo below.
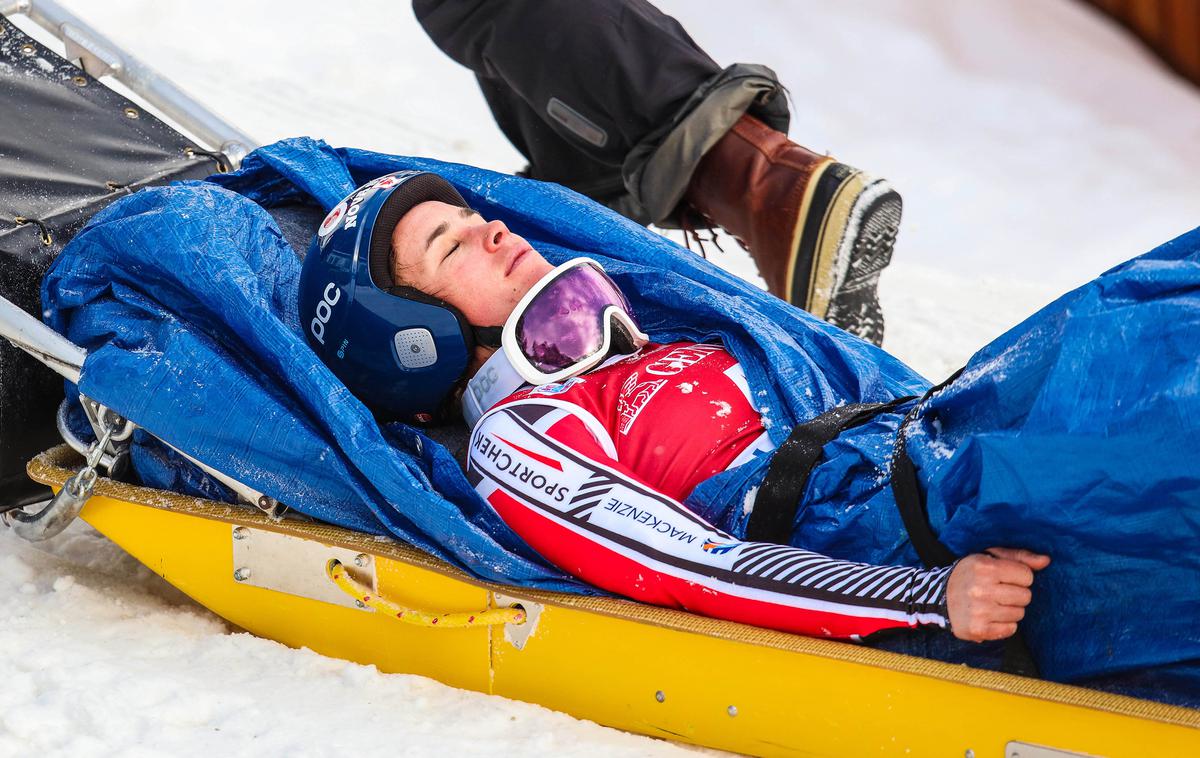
point(101, 657)
point(1035, 146)
point(748, 500)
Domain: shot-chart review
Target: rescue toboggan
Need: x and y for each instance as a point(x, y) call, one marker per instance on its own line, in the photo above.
point(655, 671)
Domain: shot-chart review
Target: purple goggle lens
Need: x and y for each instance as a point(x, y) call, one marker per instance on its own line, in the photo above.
point(564, 324)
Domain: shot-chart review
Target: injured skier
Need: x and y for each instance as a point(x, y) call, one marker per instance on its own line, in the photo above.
point(647, 468)
point(754, 462)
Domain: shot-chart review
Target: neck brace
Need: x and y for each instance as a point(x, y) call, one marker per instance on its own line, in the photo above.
point(495, 380)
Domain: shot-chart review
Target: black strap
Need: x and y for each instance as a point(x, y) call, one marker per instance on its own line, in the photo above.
point(913, 513)
point(792, 462)
point(1017, 657)
point(779, 495)
point(907, 492)
point(488, 336)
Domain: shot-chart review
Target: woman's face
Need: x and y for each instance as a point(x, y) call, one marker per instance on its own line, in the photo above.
point(478, 266)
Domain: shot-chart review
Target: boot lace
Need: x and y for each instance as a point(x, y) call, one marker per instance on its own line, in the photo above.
point(689, 229)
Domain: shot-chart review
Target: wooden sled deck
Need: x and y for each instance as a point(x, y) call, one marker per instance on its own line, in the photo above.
point(654, 671)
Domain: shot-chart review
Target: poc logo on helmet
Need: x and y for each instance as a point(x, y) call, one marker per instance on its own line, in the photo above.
point(324, 311)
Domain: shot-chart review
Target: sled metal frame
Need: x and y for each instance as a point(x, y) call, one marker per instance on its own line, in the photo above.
point(112, 432)
point(99, 57)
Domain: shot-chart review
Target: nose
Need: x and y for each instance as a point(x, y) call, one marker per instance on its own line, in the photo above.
point(494, 233)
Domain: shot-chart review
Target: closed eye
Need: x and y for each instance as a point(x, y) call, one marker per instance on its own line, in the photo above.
point(463, 213)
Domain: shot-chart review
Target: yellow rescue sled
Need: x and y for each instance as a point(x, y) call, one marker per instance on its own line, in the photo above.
point(655, 671)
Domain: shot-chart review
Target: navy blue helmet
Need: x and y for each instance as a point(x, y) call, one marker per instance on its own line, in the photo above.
point(398, 350)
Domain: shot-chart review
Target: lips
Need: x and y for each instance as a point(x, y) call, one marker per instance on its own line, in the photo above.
point(515, 260)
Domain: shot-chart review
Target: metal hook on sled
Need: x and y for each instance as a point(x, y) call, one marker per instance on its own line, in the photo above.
point(65, 506)
point(65, 358)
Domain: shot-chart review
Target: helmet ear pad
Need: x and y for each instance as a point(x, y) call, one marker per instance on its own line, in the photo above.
point(419, 189)
point(411, 293)
point(488, 336)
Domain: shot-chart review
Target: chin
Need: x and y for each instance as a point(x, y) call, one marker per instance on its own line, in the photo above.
point(535, 270)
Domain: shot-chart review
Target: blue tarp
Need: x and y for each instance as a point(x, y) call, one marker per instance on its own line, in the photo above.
point(1074, 434)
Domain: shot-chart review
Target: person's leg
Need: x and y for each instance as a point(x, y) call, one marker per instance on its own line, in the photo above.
point(601, 94)
point(576, 85)
point(939, 645)
point(1075, 434)
point(551, 157)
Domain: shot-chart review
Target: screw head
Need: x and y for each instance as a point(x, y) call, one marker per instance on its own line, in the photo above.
point(241, 574)
point(969, 753)
point(80, 81)
point(362, 560)
point(241, 533)
point(359, 604)
point(660, 696)
point(132, 113)
point(731, 710)
point(28, 49)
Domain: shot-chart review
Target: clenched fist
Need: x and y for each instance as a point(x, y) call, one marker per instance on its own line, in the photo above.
point(987, 592)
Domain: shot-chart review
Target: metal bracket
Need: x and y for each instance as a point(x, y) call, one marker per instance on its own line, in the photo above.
point(518, 634)
point(66, 505)
point(246, 494)
point(115, 455)
point(96, 59)
point(296, 566)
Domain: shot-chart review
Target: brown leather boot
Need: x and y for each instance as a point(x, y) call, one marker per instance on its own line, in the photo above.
point(818, 230)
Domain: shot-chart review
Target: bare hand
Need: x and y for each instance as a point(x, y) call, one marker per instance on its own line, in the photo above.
point(987, 593)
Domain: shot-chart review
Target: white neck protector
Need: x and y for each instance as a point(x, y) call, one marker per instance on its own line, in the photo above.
point(495, 380)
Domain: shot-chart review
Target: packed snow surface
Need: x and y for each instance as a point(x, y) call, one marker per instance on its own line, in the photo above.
point(1035, 146)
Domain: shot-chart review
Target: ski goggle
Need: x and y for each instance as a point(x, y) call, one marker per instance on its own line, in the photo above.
point(569, 322)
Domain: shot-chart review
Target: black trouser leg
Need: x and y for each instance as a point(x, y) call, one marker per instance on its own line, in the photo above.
point(621, 65)
point(586, 89)
point(551, 157)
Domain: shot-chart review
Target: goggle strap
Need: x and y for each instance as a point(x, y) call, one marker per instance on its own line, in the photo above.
point(623, 340)
point(488, 336)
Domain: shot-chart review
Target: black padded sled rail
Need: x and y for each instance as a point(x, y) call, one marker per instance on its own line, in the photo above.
point(69, 145)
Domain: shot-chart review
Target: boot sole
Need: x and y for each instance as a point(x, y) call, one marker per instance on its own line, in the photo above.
point(848, 226)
